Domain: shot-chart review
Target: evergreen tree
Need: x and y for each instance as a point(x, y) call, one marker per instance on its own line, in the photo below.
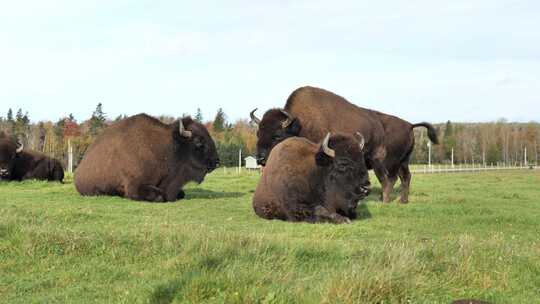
point(19, 116)
point(219, 123)
point(21, 126)
point(97, 121)
point(10, 115)
point(26, 119)
point(449, 141)
point(198, 116)
point(58, 128)
point(228, 153)
point(10, 125)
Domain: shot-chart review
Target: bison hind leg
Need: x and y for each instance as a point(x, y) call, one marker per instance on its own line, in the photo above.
point(145, 192)
point(323, 215)
point(151, 193)
point(405, 177)
point(269, 211)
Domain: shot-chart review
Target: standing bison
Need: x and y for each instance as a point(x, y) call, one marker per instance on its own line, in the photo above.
point(143, 159)
point(312, 112)
point(304, 181)
point(18, 164)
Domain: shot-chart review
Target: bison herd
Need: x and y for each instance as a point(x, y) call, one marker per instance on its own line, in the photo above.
point(316, 152)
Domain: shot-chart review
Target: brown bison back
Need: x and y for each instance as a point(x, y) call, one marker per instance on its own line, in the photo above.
point(135, 148)
point(321, 111)
point(36, 165)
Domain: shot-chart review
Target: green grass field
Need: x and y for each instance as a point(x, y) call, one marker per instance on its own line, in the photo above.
point(473, 235)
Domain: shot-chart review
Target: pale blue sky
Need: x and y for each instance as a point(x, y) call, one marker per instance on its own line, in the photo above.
point(420, 60)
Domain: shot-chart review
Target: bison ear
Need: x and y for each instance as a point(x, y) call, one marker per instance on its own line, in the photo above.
point(322, 159)
point(294, 127)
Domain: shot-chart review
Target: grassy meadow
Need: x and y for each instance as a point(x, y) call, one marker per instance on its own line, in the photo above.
point(469, 235)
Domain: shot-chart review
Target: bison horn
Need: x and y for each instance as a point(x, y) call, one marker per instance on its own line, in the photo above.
point(183, 132)
point(287, 121)
point(327, 150)
point(362, 140)
point(254, 118)
point(20, 147)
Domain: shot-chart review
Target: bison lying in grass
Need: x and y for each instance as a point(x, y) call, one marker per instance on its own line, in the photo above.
point(17, 164)
point(143, 159)
point(304, 181)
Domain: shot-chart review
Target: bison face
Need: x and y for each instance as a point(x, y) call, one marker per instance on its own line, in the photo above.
point(346, 175)
point(276, 126)
point(8, 153)
point(201, 148)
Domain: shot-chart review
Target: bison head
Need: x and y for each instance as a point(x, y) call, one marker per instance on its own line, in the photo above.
point(275, 126)
point(9, 149)
point(345, 175)
point(201, 149)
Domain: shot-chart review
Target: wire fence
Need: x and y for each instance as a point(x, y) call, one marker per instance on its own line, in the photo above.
point(469, 168)
point(417, 168)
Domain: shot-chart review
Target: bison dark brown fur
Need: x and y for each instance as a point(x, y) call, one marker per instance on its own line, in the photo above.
point(302, 182)
point(143, 159)
point(18, 164)
point(312, 112)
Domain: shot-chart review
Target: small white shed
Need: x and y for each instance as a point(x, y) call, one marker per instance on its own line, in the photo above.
point(251, 163)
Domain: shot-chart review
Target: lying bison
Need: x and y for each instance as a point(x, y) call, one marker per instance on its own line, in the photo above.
point(143, 159)
point(304, 181)
point(17, 164)
point(312, 112)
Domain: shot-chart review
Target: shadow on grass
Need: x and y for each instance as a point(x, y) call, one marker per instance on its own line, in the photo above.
point(362, 212)
point(376, 194)
point(165, 293)
point(199, 193)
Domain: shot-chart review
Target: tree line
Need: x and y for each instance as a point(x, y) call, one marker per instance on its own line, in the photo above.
point(478, 143)
point(53, 138)
point(489, 143)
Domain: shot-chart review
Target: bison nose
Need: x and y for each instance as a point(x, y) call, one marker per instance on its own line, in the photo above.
point(367, 191)
point(261, 160)
point(363, 190)
point(212, 165)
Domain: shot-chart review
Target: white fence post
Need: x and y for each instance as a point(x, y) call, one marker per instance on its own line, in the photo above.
point(70, 156)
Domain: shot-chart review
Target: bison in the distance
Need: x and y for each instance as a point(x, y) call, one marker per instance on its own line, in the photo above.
point(304, 181)
point(312, 112)
point(143, 159)
point(18, 164)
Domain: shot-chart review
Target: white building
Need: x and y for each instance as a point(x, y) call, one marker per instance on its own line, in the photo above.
point(251, 163)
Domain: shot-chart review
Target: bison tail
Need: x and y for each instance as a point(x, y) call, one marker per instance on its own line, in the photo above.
point(432, 134)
